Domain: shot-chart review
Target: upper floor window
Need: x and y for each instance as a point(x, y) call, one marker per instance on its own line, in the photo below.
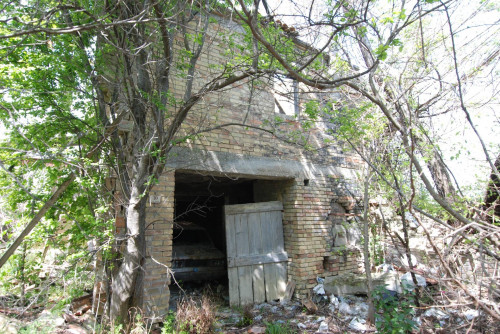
point(286, 96)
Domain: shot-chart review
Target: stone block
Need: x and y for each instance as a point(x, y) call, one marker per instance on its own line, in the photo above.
point(352, 284)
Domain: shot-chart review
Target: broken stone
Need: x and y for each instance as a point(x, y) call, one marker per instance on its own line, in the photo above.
point(262, 306)
point(50, 320)
point(76, 329)
point(9, 325)
point(340, 235)
point(258, 318)
point(323, 327)
point(352, 284)
point(257, 330)
point(320, 319)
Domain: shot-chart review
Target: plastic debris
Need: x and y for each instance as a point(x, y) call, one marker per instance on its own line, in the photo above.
point(360, 309)
point(320, 280)
point(358, 324)
point(301, 326)
point(319, 289)
point(388, 294)
point(344, 308)
point(385, 267)
point(471, 314)
point(334, 301)
point(404, 260)
point(438, 314)
point(408, 284)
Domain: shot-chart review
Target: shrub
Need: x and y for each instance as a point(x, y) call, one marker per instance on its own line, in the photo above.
point(169, 324)
point(393, 315)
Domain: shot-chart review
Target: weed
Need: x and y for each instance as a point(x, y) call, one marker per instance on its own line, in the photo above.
point(195, 318)
point(169, 324)
point(247, 317)
point(393, 315)
point(38, 328)
point(279, 328)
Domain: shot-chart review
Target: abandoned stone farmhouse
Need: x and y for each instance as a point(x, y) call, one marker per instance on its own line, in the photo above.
point(276, 210)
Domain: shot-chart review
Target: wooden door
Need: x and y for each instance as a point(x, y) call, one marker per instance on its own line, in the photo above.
point(256, 258)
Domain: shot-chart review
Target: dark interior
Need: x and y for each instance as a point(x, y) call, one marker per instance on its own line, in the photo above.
point(200, 199)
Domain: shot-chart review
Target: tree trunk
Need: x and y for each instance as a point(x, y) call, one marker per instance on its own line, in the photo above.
point(366, 250)
point(441, 177)
point(127, 285)
point(492, 197)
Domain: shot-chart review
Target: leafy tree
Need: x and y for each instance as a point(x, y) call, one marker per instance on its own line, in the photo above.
point(400, 66)
point(72, 72)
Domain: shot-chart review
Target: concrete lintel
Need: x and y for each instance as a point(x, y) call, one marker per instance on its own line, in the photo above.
point(231, 164)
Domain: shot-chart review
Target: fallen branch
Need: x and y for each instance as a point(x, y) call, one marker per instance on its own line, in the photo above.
point(452, 276)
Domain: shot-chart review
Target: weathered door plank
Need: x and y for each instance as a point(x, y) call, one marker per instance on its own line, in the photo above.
point(242, 248)
point(255, 250)
point(232, 272)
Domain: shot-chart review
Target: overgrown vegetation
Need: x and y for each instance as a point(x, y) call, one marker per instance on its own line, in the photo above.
point(402, 84)
point(279, 328)
point(195, 317)
point(246, 317)
point(393, 314)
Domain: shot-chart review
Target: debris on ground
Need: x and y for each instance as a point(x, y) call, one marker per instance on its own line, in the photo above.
point(408, 284)
point(358, 324)
point(310, 306)
point(328, 314)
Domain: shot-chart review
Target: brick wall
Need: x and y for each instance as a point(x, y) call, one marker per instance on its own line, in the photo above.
point(307, 199)
point(159, 223)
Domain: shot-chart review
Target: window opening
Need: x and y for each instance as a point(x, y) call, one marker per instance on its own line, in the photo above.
point(286, 96)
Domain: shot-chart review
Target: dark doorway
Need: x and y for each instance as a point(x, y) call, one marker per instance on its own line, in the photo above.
point(200, 199)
